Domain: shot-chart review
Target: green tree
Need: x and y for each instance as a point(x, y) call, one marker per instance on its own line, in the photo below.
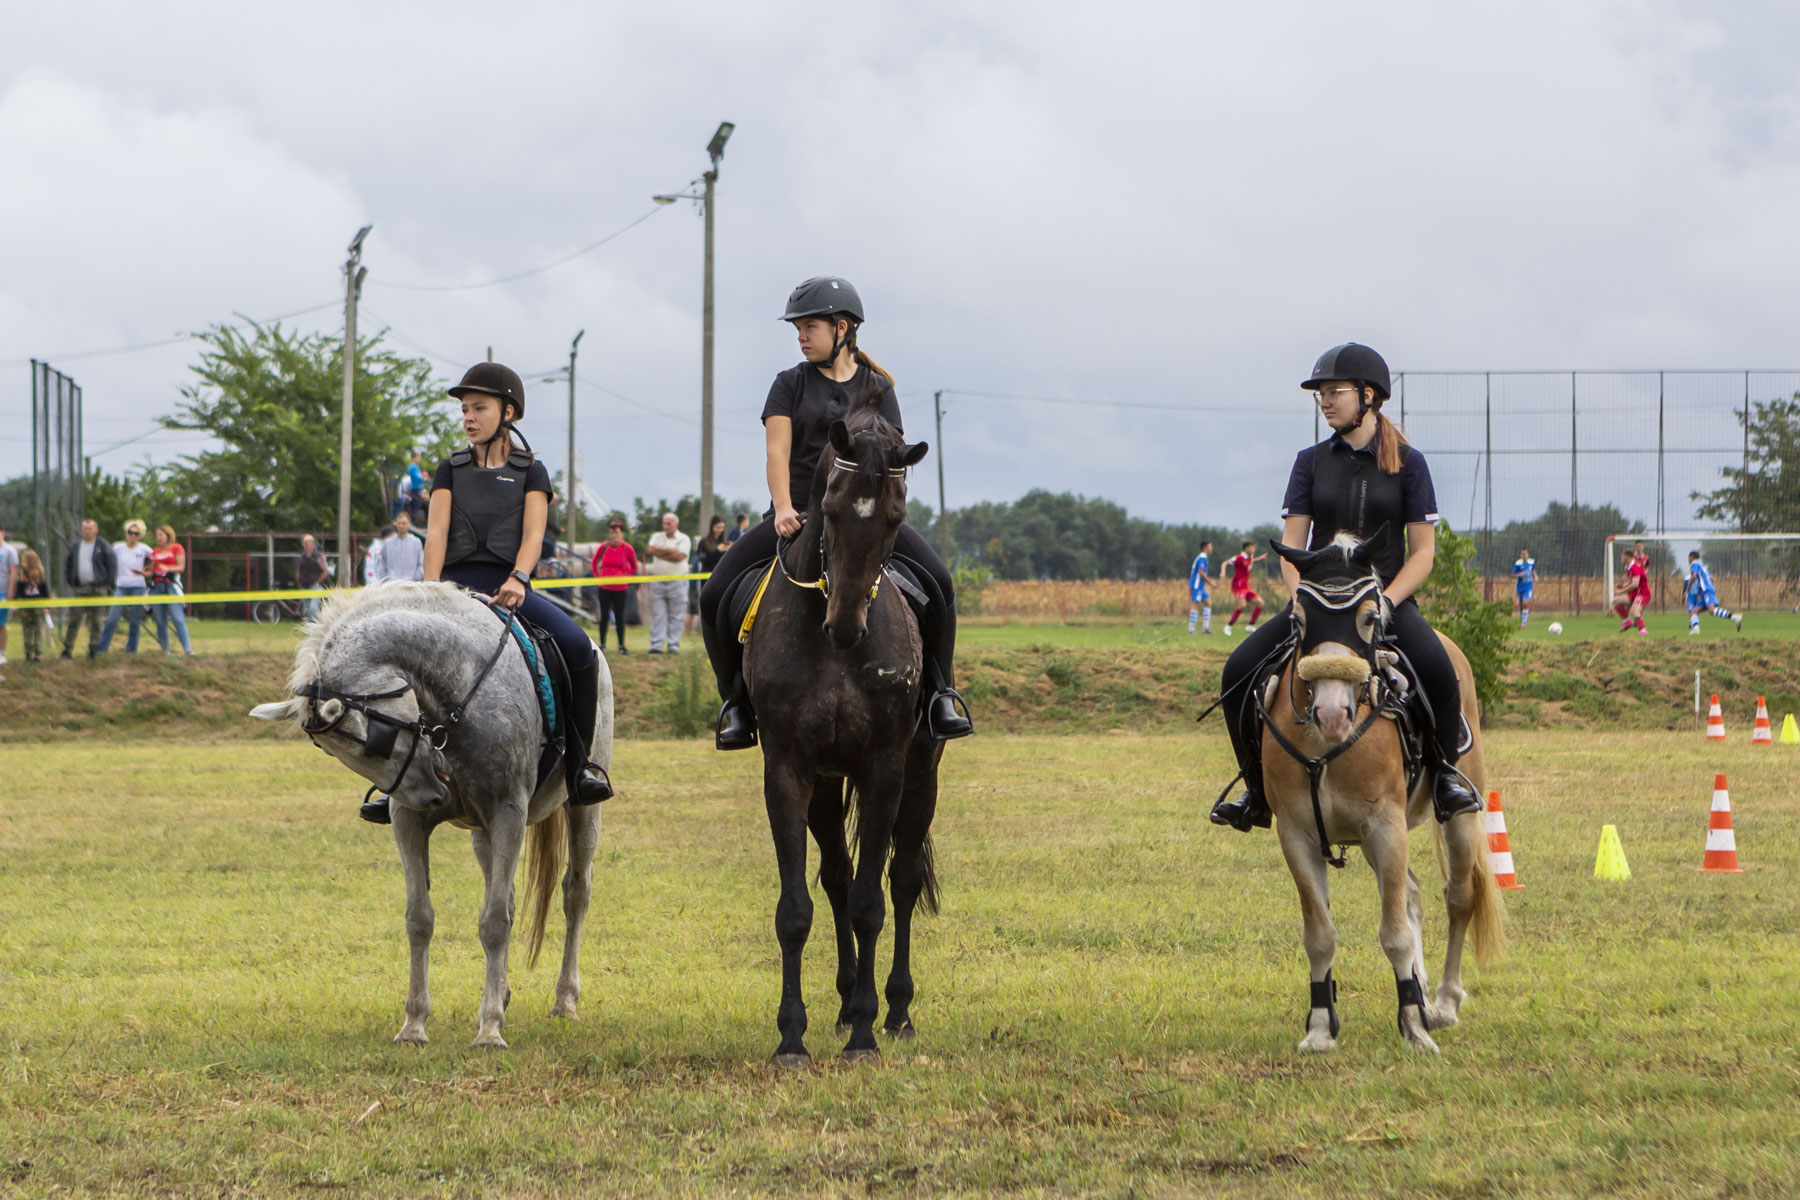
point(273, 399)
point(1562, 540)
point(1450, 598)
point(1761, 495)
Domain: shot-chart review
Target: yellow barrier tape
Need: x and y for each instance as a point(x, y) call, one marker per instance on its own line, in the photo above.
point(539, 585)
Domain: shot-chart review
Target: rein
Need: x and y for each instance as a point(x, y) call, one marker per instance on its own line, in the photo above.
point(383, 727)
point(822, 584)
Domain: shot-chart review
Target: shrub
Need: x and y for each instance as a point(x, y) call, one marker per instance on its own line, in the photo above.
point(685, 702)
point(1451, 600)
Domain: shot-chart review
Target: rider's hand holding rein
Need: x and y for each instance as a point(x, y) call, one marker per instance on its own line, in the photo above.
point(1341, 406)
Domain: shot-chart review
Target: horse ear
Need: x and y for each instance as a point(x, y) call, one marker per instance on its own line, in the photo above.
point(1301, 559)
point(840, 437)
point(911, 455)
point(1366, 550)
point(280, 710)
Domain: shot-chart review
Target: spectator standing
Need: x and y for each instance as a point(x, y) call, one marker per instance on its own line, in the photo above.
point(88, 570)
point(373, 572)
point(712, 548)
point(30, 583)
point(415, 490)
point(669, 551)
point(402, 551)
point(740, 529)
point(614, 559)
point(168, 561)
point(310, 571)
point(9, 570)
point(131, 584)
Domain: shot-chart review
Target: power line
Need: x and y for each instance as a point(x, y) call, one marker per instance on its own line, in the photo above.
point(517, 275)
point(1092, 403)
point(76, 355)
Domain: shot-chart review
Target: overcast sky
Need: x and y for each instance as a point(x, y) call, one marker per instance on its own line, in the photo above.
point(1164, 204)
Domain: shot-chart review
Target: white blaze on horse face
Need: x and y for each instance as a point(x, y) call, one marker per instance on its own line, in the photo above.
point(865, 508)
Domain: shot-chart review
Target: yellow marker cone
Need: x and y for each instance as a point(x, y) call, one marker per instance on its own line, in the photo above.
point(1790, 733)
point(1610, 863)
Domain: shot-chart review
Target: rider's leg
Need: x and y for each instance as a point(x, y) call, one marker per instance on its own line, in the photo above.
point(736, 727)
point(591, 785)
point(1237, 683)
point(938, 632)
point(1431, 665)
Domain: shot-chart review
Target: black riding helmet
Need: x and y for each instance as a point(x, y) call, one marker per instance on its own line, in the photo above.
point(1355, 362)
point(826, 296)
point(495, 379)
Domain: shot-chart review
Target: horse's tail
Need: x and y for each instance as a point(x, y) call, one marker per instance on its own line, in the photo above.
point(928, 894)
point(549, 854)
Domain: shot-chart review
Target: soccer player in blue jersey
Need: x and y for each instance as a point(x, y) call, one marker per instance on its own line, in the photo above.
point(1524, 581)
point(1703, 597)
point(1200, 590)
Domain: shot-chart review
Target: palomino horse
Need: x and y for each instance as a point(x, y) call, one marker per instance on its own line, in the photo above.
point(1336, 771)
point(834, 670)
point(429, 666)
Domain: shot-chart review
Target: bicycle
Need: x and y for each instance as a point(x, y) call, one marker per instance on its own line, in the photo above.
point(270, 612)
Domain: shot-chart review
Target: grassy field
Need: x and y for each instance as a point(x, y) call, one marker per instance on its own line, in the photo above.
point(204, 960)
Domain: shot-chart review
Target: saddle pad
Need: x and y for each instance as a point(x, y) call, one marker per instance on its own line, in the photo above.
point(540, 670)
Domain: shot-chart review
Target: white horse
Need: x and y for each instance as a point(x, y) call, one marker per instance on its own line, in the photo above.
point(421, 690)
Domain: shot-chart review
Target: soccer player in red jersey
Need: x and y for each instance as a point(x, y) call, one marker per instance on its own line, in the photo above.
point(1242, 594)
point(1635, 594)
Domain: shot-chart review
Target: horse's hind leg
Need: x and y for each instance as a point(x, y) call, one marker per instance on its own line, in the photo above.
point(578, 889)
point(913, 872)
point(1307, 865)
point(1384, 845)
point(825, 817)
point(787, 792)
point(1468, 886)
point(413, 837)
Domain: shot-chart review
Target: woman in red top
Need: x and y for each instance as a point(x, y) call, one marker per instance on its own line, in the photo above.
point(615, 557)
point(168, 561)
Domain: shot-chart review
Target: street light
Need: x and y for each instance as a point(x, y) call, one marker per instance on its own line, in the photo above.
point(354, 274)
point(715, 150)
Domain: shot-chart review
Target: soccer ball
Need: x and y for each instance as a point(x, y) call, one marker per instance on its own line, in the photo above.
point(1556, 628)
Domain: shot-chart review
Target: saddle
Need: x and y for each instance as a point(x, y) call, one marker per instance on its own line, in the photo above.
point(740, 605)
point(555, 693)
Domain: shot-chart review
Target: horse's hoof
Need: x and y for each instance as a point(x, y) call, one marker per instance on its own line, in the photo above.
point(490, 1041)
point(564, 1009)
point(410, 1037)
point(1318, 1043)
point(866, 1054)
point(904, 1033)
point(791, 1062)
point(1422, 1043)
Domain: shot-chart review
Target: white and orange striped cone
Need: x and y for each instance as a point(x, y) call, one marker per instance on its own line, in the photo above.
point(1499, 849)
point(1715, 722)
point(1760, 733)
point(1721, 842)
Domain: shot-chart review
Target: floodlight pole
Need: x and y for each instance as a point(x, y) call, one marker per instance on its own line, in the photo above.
point(354, 273)
point(569, 477)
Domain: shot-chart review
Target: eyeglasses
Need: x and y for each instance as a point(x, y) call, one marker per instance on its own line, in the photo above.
point(1328, 394)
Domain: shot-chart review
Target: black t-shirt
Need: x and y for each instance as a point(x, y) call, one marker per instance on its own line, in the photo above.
point(537, 479)
point(1348, 491)
point(812, 402)
point(709, 554)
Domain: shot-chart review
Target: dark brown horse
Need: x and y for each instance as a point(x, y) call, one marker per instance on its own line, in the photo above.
point(834, 669)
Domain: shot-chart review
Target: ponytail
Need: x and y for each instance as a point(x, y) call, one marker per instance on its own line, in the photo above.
point(862, 358)
point(1388, 439)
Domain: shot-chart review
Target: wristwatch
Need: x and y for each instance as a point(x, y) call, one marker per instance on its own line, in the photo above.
point(522, 577)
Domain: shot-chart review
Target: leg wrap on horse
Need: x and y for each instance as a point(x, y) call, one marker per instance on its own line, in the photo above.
point(1411, 994)
point(1324, 995)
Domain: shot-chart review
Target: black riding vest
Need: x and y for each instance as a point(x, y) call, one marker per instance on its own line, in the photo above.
point(1351, 493)
point(487, 513)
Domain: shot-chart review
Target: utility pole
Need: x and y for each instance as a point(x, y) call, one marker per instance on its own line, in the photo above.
point(569, 501)
point(937, 402)
point(715, 150)
point(354, 273)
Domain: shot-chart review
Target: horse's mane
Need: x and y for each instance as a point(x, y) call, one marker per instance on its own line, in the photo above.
point(863, 420)
point(344, 607)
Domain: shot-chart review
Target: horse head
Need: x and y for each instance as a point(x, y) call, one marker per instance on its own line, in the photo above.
point(1338, 615)
point(861, 511)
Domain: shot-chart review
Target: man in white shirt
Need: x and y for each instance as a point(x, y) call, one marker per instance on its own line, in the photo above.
point(9, 573)
point(403, 554)
point(669, 551)
point(131, 583)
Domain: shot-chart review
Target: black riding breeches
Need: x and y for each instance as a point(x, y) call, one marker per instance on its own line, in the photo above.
point(577, 650)
point(1416, 639)
point(937, 628)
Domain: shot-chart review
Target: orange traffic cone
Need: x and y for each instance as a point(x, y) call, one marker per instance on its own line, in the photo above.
point(1721, 842)
point(1715, 721)
point(1499, 849)
point(1760, 733)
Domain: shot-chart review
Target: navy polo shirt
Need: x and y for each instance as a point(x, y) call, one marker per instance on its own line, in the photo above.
point(1342, 489)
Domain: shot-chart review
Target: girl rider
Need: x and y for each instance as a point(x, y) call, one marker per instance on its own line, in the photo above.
point(1363, 477)
point(485, 531)
point(803, 402)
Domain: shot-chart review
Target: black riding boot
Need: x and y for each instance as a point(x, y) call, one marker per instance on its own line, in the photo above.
point(1251, 808)
point(1451, 795)
point(942, 720)
point(736, 726)
point(376, 812)
point(589, 784)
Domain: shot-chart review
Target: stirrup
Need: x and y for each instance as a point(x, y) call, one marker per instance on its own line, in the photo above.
point(376, 812)
point(1249, 811)
point(1452, 795)
point(602, 785)
point(740, 732)
point(945, 728)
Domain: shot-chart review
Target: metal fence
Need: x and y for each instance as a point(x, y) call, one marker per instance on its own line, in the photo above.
point(57, 466)
point(1505, 445)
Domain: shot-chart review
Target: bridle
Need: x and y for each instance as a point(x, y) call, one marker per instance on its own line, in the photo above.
point(383, 727)
point(1381, 702)
point(822, 584)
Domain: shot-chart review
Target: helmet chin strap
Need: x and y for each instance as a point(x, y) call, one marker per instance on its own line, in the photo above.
point(505, 427)
point(1363, 407)
point(839, 343)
